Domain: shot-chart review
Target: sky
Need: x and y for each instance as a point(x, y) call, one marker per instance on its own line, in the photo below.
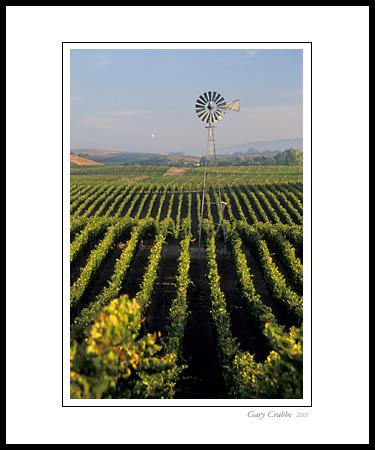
point(143, 99)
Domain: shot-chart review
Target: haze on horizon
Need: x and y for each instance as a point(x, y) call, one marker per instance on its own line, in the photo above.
point(143, 99)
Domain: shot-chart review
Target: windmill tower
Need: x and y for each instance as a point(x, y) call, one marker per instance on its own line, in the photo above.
point(210, 108)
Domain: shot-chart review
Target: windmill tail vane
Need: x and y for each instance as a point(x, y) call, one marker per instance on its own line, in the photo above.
point(210, 107)
point(232, 106)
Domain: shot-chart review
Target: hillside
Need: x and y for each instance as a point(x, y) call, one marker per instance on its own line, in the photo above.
point(83, 161)
point(131, 158)
point(264, 148)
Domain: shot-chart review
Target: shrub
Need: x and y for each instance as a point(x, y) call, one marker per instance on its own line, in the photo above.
point(116, 362)
point(281, 374)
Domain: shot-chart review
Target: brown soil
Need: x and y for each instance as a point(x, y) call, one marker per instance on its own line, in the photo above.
point(137, 269)
point(133, 180)
point(101, 278)
point(81, 259)
point(83, 161)
point(262, 290)
point(155, 206)
point(173, 171)
point(194, 217)
point(164, 289)
point(241, 327)
point(202, 377)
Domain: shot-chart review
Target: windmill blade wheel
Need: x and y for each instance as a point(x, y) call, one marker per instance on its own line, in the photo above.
point(208, 107)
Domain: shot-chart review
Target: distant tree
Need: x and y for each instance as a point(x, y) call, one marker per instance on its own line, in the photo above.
point(290, 157)
point(280, 158)
point(294, 157)
point(270, 161)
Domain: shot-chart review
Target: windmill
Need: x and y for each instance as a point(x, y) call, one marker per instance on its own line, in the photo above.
point(210, 108)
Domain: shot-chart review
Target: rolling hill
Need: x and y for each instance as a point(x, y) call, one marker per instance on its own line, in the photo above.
point(129, 158)
point(83, 161)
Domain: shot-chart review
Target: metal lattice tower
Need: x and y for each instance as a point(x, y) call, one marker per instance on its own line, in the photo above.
point(210, 108)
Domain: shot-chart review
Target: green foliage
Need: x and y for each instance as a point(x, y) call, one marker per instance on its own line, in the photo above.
point(227, 344)
point(110, 358)
point(116, 362)
point(145, 293)
point(96, 257)
point(178, 313)
point(291, 302)
point(191, 179)
point(259, 312)
point(90, 231)
point(113, 287)
point(281, 374)
point(290, 157)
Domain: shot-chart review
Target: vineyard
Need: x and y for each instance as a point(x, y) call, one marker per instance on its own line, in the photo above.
point(154, 316)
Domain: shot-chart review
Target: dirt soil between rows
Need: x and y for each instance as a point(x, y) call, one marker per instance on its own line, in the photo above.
point(164, 289)
point(173, 171)
point(202, 378)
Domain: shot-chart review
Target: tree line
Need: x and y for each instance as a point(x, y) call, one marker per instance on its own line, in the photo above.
point(289, 157)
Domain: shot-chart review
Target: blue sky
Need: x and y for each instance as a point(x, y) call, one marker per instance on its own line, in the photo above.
point(121, 97)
